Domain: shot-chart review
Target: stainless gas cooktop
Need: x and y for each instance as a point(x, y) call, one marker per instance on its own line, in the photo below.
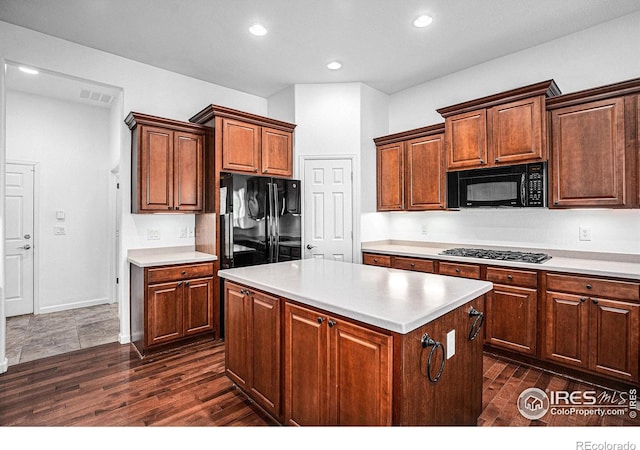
point(503, 255)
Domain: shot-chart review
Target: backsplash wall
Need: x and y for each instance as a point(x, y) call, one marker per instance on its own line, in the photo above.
point(612, 231)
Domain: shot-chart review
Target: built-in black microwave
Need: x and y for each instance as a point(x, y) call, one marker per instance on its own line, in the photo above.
point(522, 185)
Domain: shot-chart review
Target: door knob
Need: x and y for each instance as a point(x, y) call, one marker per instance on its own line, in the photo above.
point(25, 247)
point(27, 236)
point(309, 246)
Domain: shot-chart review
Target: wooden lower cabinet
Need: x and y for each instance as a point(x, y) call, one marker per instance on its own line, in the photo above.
point(336, 372)
point(170, 304)
point(253, 344)
point(512, 310)
point(594, 334)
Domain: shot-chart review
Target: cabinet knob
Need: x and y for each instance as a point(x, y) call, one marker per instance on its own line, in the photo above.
point(457, 270)
point(375, 260)
point(482, 161)
point(412, 265)
point(179, 283)
point(331, 323)
point(255, 170)
point(510, 277)
point(595, 302)
point(497, 160)
point(265, 171)
point(583, 299)
point(589, 286)
point(242, 291)
point(177, 207)
point(170, 207)
point(187, 283)
point(184, 272)
point(320, 319)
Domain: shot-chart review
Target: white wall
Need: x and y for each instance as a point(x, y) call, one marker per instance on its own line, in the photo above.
point(604, 54)
point(70, 141)
point(146, 89)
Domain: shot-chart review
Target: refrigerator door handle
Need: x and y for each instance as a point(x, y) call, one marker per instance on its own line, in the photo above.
point(270, 223)
point(276, 214)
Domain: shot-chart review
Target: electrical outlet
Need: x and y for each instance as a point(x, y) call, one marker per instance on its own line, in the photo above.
point(59, 230)
point(423, 229)
point(584, 233)
point(183, 232)
point(153, 234)
point(451, 343)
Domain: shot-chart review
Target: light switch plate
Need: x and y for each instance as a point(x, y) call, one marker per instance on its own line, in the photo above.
point(451, 343)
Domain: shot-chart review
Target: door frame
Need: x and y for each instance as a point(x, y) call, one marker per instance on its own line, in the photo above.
point(355, 196)
point(36, 227)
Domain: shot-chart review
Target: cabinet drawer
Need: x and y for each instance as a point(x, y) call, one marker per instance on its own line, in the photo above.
point(376, 260)
point(460, 270)
point(510, 277)
point(594, 287)
point(419, 265)
point(174, 273)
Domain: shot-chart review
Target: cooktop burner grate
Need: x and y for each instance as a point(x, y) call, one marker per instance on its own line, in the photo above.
point(503, 255)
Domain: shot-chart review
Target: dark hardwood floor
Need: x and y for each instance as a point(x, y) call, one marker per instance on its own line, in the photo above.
point(110, 386)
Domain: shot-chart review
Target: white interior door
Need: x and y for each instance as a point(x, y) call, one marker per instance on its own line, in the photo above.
point(19, 261)
point(328, 209)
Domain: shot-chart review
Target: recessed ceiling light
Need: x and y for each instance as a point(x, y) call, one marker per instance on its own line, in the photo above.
point(334, 65)
point(28, 70)
point(422, 21)
point(257, 30)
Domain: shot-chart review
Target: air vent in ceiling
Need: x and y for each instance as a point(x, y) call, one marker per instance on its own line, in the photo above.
point(95, 96)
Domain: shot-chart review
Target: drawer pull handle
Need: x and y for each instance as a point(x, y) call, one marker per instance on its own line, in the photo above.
point(457, 270)
point(412, 265)
point(375, 260)
point(589, 286)
point(510, 277)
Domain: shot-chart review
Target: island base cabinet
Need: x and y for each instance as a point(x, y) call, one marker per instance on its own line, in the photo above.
point(453, 398)
point(253, 344)
point(336, 372)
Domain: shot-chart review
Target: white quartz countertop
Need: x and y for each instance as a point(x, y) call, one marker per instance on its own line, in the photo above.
point(150, 257)
point(587, 263)
point(392, 299)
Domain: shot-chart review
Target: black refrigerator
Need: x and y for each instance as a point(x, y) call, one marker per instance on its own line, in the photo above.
point(260, 220)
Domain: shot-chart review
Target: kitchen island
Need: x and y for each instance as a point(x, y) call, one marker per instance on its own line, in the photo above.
point(318, 342)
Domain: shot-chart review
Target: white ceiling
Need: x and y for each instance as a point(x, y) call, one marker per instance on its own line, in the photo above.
point(374, 39)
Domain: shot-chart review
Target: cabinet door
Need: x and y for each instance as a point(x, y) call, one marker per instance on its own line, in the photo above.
point(164, 316)
point(425, 173)
point(361, 375)
point(390, 177)
point(511, 314)
point(264, 341)
point(198, 306)
point(156, 169)
point(466, 140)
point(236, 334)
point(306, 367)
point(188, 171)
point(277, 153)
point(240, 146)
point(566, 329)
point(588, 154)
point(614, 337)
point(517, 131)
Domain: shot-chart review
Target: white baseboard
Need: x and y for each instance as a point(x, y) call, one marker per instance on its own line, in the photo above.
point(74, 305)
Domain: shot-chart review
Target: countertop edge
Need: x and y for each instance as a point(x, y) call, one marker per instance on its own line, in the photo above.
point(568, 265)
point(170, 258)
point(376, 321)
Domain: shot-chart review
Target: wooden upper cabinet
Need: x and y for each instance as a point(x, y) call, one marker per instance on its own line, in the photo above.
point(167, 164)
point(240, 146)
point(505, 128)
point(517, 131)
point(277, 153)
point(247, 143)
point(410, 170)
point(425, 174)
point(390, 177)
point(588, 154)
point(466, 140)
